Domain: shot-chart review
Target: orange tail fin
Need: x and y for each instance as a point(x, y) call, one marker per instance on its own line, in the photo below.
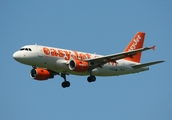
point(135, 43)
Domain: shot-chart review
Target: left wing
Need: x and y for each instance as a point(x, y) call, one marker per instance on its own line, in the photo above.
point(114, 57)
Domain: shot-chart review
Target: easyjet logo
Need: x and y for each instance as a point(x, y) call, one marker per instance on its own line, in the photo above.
point(65, 54)
point(135, 42)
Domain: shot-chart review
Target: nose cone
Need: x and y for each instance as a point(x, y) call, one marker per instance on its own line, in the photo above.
point(16, 56)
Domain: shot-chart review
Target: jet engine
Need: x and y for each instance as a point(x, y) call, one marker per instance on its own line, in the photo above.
point(41, 74)
point(78, 65)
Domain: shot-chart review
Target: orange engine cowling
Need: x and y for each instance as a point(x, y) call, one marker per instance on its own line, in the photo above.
point(40, 74)
point(78, 65)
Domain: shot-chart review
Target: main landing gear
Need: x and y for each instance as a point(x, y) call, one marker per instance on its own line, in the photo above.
point(91, 78)
point(65, 83)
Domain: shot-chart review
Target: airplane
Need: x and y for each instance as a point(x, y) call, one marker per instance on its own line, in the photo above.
point(47, 61)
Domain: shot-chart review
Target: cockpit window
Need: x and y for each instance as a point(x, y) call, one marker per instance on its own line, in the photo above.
point(21, 49)
point(25, 49)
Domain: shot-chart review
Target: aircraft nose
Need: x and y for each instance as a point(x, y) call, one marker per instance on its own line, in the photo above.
point(16, 56)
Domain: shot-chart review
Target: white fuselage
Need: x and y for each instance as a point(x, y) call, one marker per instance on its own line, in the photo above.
point(57, 60)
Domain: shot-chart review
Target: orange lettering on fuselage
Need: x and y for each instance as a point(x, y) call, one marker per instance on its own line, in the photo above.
point(65, 54)
point(96, 56)
point(76, 55)
point(61, 54)
point(53, 52)
point(82, 56)
point(67, 57)
point(46, 51)
point(88, 56)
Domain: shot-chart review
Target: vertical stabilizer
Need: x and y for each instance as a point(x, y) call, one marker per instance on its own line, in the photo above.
point(135, 43)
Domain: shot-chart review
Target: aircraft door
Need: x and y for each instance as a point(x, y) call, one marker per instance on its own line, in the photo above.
point(40, 54)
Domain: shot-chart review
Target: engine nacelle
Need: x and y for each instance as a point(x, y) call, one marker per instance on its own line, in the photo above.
point(78, 65)
point(40, 74)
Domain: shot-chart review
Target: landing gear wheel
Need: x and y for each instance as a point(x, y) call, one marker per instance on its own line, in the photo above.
point(91, 79)
point(65, 84)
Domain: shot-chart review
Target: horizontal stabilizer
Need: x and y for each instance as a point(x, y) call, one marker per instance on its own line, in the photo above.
point(146, 64)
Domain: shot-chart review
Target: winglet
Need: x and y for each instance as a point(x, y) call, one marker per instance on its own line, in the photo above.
point(135, 43)
point(153, 47)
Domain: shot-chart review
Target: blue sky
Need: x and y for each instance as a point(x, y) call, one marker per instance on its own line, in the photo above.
point(102, 27)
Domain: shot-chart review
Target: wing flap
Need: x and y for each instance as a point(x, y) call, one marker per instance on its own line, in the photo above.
point(147, 64)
